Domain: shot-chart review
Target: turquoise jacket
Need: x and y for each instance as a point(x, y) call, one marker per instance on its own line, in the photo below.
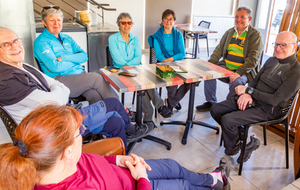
point(47, 48)
point(125, 54)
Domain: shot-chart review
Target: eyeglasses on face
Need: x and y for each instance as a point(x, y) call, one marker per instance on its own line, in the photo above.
point(8, 45)
point(82, 129)
point(170, 20)
point(50, 7)
point(282, 46)
point(128, 22)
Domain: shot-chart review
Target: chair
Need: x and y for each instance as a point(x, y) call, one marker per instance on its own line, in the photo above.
point(9, 122)
point(203, 24)
point(105, 147)
point(284, 120)
point(109, 62)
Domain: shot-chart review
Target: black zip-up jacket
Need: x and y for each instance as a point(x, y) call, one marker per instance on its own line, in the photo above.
point(276, 83)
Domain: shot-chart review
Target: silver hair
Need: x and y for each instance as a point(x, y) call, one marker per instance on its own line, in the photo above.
point(123, 15)
point(249, 11)
point(292, 34)
point(51, 12)
point(4, 29)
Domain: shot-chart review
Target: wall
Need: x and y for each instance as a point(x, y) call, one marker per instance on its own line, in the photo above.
point(212, 7)
point(135, 8)
point(154, 9)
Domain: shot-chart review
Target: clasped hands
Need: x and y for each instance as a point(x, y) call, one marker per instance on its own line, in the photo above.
point(135, 164)
point(244, 99)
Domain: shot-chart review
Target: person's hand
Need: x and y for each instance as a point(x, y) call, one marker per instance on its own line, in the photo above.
point(137, 171)
point(244, 100)
point(122, 159)
point(233, 77)
point(239, 90)
point(168, 60)
point(59, 59)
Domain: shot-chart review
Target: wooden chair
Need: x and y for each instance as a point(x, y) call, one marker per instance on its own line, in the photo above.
point(105, 147)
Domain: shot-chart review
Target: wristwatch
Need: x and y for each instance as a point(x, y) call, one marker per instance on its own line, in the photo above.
point(249, 90)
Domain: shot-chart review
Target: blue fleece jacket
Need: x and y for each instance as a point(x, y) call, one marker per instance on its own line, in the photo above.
point(47, 48)
point(167, 45)
point(122, 53)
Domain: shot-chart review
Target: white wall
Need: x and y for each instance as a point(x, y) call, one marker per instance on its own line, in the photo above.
point(134, 7)
point(212, 7)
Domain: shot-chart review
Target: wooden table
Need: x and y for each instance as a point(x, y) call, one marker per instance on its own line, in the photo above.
point(195, 30)
point(198, 70)
point(145, 79)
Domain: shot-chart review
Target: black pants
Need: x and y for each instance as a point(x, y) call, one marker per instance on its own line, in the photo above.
point(228, 115)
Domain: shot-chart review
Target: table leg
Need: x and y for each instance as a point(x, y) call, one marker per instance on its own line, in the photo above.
point(139, 116)
point(189, 122)
point(196, 45)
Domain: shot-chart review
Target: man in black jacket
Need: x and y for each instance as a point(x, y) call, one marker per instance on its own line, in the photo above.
point(268, 93)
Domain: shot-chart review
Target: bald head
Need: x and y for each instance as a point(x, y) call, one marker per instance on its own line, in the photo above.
point(4, 29)
point(288, 44)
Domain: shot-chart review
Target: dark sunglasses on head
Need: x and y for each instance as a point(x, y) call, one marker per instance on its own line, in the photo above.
point(124, 23)
point(50, 7)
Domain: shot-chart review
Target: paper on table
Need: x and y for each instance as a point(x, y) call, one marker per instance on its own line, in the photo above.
point(132, 71)
point(178, 69)
point(215, 74)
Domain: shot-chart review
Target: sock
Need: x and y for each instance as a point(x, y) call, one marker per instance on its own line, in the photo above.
point(217, 180)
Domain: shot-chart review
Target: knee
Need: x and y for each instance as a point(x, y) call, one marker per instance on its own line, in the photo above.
point(97, 78)
point(227, 122)
point(214, 111)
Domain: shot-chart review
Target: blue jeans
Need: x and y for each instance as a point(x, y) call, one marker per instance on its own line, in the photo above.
point(168, 174)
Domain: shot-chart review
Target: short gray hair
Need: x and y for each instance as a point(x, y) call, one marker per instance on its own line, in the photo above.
point(123, 15)
point(51, 12)
point(4, 29)
point(249, 11)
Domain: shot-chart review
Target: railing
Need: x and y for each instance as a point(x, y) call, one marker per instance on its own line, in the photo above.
point(92, 2)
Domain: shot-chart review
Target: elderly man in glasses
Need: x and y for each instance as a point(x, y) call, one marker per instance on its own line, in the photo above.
point(60, 57)
point(263, 99)
point(24, 88)
point(240, 49)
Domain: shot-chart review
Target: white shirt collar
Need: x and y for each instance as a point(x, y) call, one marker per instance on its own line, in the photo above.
point(237, 34)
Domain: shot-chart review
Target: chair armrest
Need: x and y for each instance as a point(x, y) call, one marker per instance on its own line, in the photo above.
point(105, 147)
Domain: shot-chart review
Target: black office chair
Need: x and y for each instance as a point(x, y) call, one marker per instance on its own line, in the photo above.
point(203, 24)
point(109, 62)
point(284, 120)
point(9, 122)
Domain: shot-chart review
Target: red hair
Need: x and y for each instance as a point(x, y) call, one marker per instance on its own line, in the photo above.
point(46, 132)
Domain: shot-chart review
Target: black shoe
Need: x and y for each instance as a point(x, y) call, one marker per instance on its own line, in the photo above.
point(140, 132)
point(165, 112)
point(224, 169)
point(250, 147)
point(178, 106)
point(204, 107)
point(235, 150)
point(151, 125)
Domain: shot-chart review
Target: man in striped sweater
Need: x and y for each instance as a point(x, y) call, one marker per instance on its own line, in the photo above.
point(240, 49)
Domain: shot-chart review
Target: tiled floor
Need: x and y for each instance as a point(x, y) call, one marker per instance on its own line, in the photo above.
point(265, 169)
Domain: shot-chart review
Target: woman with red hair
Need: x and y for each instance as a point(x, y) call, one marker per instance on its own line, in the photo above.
point(46, 154)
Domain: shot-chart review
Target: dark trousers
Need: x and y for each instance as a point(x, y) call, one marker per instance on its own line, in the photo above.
point(176, 94)
point(167, 174)
point(228, 115)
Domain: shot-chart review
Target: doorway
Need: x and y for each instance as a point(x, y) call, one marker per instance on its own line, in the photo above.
point(268, 20)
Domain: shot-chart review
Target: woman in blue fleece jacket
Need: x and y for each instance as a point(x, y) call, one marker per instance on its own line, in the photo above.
point(60, 57)
point(125, 49)
point(169, 46)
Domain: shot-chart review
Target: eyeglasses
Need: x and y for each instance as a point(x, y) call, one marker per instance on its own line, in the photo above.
point(82, 129)
point(50, 7)
point(8, 45)
point(282, 46)
point(124, 23)
point(166, 19)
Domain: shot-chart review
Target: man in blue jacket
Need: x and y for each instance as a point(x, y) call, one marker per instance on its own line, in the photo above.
point(60, 57)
